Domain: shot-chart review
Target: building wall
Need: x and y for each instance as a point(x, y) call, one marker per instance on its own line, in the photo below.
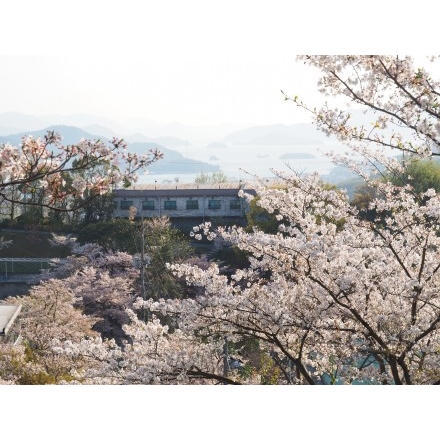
point(204, 208)
point(216, 203)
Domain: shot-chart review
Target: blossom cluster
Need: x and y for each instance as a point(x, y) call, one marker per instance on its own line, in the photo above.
point(40, 165)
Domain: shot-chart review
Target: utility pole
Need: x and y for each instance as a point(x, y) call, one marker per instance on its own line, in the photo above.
point(225, 358)
point(144, 296)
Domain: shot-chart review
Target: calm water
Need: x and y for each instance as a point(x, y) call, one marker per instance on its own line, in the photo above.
point(242, 161)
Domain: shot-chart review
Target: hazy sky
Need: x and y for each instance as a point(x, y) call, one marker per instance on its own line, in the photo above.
point(195, 62)
point(187, 86)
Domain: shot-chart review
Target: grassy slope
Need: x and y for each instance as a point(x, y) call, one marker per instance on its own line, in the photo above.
point(30, 244)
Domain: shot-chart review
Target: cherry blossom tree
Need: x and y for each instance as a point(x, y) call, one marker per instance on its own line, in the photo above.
point(357, 302)
point(48, 313)
point(154, 355)
point(402, 98)
point(86, 295)
point(81, 325)
point(39, 168)
point(330, 296)
point(104, 284)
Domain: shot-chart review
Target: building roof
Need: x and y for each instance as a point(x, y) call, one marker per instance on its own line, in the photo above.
point(8, 314)
point(182, 185)
point(180, 191)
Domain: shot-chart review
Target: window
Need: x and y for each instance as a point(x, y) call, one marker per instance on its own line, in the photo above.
point(170, 204)
point(214, 204)
point(147, 205)
point(192, 204)
point(125, 204)
point(235, 204)
point(115, 205)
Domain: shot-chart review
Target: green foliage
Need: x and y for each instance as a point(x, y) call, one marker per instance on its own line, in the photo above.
point(92, 207)
point(421, 174)
point(27, 376)
point(362, 198)
point(115, 235)
point(31, 244)
point(231, 257)
point(255, 361)
point(127, 183)
point(214, 177)
point(258, 217)
point(33, 215)
point(268, 371)
point(164, 244)
point(247, 371)
point(71, 211)
point(28, 367)
point(99, 209)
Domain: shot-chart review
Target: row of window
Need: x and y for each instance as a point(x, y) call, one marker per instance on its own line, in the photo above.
point(148, 205)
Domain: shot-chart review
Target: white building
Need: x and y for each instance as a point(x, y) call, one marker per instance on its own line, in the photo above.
point(8, 315)
point(182, 200)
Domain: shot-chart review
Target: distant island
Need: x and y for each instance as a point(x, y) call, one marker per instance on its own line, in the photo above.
point(277, 134)
point(297, 156)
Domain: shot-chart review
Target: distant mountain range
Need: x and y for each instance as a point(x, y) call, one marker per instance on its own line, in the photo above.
point(175, 139)
point(175, 134)
point(172, 163)
point(13, 122)
point(168, 135)
point(70, 135)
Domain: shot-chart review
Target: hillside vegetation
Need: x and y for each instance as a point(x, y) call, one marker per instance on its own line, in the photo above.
point(30, 244)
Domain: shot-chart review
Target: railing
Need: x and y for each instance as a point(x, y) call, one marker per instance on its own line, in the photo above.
point(8, 264)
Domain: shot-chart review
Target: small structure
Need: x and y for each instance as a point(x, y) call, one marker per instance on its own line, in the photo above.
point(8, 315)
